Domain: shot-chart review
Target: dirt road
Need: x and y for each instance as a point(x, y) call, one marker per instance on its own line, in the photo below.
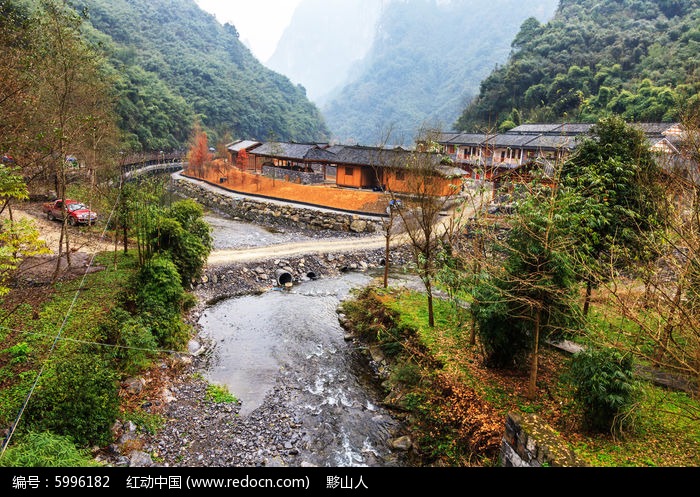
point(295, 249)
point(82, 239)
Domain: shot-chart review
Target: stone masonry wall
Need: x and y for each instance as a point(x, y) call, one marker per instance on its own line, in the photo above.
point(529, 442)
point(274, 214)
point(304, 178)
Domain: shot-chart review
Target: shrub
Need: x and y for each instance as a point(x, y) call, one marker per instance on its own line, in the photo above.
point(46, 450)
point(603, 387)
point(186, 237)
point(77, 398)
point(505, 339)
point(160, 300)
point(135, 344)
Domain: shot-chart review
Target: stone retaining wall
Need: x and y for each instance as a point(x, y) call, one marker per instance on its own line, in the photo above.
point(301, 177)
point(269, 213)
point(529, 442)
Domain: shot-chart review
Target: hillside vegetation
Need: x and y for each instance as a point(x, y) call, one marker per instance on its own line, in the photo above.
point(638, 59)
point(174, 62)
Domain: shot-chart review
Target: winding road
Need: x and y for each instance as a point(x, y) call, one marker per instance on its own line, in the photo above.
point(91, 241)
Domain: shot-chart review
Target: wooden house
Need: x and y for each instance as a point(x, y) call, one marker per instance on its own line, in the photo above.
point(282, 159)
point(239, 154)
point(397, 170)
point(355, 166)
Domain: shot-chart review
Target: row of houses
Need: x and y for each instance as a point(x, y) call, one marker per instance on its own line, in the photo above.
point(347, 166)
point(488, 156)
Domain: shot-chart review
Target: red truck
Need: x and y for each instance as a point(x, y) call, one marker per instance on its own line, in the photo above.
point(77, 212)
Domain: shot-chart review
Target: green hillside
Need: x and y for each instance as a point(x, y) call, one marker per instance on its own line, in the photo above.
point(175, 62)
point(636, 58)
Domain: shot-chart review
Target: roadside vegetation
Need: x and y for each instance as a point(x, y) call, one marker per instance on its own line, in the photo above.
point(456, 406)
point(601, 251)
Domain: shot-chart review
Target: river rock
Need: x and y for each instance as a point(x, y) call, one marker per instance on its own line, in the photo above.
point(402, 443)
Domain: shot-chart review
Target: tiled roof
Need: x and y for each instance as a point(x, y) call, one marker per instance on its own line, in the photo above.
point(448, 137)
point(296, 151)
point(472, 139)
point(554, 142)
point(574, 128)
point(242, 144)
point(451, 172)
point(535, 129)
point(508, 140)
point(340, 154)
point(371, 156)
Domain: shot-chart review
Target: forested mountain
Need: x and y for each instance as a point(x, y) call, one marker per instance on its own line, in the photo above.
point(323, 41)
point(175, 63)
point(636, 58)
point(427, 61)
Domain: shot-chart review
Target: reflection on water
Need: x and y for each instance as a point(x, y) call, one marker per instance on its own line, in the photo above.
point(293, 337)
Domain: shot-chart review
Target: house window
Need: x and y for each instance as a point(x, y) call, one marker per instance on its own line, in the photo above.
point(348, 171)
point(450, 149)
point(400, 176)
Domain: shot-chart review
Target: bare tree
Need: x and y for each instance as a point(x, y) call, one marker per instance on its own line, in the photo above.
point(76, 109)
point(428, 208)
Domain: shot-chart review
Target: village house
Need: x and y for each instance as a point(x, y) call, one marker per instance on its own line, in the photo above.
point(239, 154)
point(489, 155)
point(502, 159)
point(515, 156)
point(347, 166)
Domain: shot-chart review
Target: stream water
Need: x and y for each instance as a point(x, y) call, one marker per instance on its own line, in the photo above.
point(291, 339)
point(288, 342)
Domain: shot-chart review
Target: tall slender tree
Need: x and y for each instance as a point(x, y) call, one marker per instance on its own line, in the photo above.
point(421, 209)
point(529, 294)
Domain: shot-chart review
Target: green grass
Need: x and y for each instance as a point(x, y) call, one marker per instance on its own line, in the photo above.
point(33, 332)
point(147, 422)
point(220, 394)
point(46, 450)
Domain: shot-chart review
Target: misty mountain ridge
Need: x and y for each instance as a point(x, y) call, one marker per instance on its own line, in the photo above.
point(323, 41)
point(426, 63)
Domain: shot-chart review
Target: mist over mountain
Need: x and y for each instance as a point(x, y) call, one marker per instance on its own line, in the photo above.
point(426, 63)
point(324, 40)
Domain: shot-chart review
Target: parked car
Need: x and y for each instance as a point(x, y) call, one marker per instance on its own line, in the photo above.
point(77, 212)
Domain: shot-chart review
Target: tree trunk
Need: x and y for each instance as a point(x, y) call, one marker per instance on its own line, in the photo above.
point(587, 299)
point(386, 262)
point(387, 251)
point(431, 314)
point(472, 335)
point(532, 389)
point(667, 332)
